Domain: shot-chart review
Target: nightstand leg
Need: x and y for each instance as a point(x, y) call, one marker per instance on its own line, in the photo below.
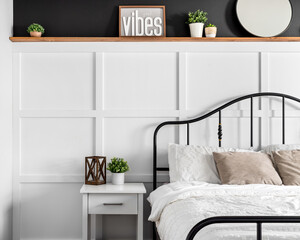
point(92, 218)
point(85, 217)
point(95, 227)
point(100, 230)
point(140, 218)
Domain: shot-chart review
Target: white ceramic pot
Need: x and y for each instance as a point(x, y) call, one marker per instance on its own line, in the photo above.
point(196, 29)
point(118, 178)
point(35, 34)
point(211, 32)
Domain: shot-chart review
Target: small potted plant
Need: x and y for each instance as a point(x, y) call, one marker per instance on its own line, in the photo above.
point(35, 30)
point(196, 21)
point(118, 167)
point(211, 31)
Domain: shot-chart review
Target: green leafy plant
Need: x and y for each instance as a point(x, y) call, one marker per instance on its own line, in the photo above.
point(118, 165)
point(35, 27)
point(211, 25)
point(197, 17)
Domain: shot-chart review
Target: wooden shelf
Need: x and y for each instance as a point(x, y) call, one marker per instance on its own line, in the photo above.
point(153, 39)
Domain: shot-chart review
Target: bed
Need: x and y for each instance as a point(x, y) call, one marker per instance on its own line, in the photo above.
point(200, 210)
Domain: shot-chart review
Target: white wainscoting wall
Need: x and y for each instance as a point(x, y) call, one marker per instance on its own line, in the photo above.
point(6, 23)
point(72, 100)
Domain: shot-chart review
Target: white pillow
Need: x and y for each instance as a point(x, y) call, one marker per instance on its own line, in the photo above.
point(279, 147)
point(195, 163)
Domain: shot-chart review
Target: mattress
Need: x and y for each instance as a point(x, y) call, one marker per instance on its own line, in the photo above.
point(177, 207)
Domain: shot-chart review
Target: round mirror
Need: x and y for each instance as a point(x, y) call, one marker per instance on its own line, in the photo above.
point(264, 18)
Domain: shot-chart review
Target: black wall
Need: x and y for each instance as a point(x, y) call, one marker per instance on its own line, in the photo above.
point(99, 18)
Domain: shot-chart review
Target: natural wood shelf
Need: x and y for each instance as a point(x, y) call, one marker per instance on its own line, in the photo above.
point(153, 39)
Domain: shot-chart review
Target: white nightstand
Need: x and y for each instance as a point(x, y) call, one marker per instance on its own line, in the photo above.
point(111, 199)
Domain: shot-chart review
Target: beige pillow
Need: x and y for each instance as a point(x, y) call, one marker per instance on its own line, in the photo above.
point(288, 165)
point(246, 168)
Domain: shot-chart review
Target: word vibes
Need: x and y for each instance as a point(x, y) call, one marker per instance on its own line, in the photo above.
point(139, 26)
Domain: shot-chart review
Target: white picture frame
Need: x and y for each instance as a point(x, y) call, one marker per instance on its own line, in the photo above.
point(142, 21)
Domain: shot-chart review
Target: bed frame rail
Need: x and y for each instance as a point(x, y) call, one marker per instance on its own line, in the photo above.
point(259, 220)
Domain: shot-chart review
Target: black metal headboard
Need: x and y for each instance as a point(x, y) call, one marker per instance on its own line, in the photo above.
point(218, 110)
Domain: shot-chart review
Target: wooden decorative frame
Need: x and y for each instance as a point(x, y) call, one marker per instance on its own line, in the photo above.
point(95, 170)
point(144, 6)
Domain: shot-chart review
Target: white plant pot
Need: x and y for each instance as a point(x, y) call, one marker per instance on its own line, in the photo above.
point(210, 32)
point(118, 178)
point(196, 29)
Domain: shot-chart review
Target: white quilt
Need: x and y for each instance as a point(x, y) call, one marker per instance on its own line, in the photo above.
point(177, 207)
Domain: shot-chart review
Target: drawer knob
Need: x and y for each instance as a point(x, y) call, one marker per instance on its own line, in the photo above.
point(112, 204)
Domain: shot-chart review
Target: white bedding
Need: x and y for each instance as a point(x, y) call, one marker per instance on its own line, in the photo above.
point(195, 163)
point(178, 206)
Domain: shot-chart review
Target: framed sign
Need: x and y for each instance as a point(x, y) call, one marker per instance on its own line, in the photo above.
point(142, 21)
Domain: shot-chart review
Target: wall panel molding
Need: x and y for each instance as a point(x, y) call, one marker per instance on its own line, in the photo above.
point(16, 145)
point(264, 87)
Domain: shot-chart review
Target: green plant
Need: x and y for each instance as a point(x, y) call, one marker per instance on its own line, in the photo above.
point(211, 25)
point(197, 17)
point(118, 165)
point(35, 27)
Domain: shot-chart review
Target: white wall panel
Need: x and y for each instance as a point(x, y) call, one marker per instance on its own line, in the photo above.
point(140, 81)
point(213, 78)
point(50, 211)
point(132, 139)
point(56, 145)
point(57, 81)
point(292, 128)
point(236, 132)
point(284, 76)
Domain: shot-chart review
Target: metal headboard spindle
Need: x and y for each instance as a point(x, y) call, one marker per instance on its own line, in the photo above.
point(258, 220)
point(251, 122)
point(283, 120)
point(220, 134)
point(188, 134)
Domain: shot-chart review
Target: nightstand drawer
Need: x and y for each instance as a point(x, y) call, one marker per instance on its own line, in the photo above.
point(112, 203)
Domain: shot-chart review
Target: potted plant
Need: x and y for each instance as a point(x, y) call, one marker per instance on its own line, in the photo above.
point(118, 167)
point(211, 30)
point(196, 22)
point(35, 30)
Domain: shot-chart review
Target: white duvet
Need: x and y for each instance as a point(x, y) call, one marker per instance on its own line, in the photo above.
point(177, 207)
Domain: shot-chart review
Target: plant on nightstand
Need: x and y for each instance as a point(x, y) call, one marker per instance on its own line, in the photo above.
point(35, 30)
point(118, 167)
point(211, 31)
point(196, 21)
